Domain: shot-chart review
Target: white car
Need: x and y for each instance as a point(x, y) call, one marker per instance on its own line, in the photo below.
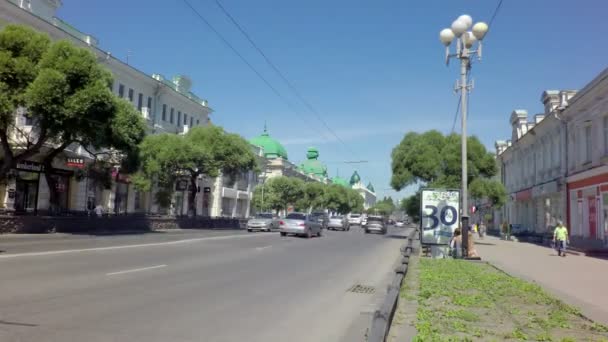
point(355, 219)
point(399, 224)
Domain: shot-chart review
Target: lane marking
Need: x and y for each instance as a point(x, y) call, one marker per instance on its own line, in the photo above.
point(136, 270)
point(262, 248)
point(96, 249)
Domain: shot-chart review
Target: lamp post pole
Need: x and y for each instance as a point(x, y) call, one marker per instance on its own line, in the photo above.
point(465, 40)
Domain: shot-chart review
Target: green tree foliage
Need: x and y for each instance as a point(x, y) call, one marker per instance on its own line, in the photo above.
point(384, 207)
point(279, 193)
point(411, 205)
point(206, 150)
point(493, 190)
point(435, 160)
point(314, 196)
point(64, 92)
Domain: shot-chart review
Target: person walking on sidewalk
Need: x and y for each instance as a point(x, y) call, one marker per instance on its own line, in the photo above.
point(560, 238)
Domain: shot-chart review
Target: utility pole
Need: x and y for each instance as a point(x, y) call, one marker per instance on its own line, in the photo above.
point(464, 44)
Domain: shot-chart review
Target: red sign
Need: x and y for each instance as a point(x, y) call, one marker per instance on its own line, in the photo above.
point(592, 217)
point(523, 195)
point(75, 162)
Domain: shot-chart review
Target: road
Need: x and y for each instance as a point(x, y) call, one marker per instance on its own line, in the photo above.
point(211, 286)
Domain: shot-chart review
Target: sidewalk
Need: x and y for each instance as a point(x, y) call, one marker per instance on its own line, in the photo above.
point(578, 280)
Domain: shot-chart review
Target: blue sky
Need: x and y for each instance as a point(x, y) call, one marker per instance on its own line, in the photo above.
point(373, 69)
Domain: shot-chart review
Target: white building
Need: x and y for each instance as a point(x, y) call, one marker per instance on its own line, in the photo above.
point(167, 105)
point(532, 167)
point(587, 159)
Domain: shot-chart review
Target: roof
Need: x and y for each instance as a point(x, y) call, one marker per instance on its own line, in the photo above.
point(340, 181)
point(370, 187)
point(312, 165)
point(271, 147)
point(355, 178)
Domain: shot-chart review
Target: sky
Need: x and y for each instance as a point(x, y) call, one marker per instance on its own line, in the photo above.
point(372, 70)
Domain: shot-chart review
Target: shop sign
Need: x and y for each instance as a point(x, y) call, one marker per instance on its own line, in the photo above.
point(75, 162)
point(523, 195)
point(29, 166)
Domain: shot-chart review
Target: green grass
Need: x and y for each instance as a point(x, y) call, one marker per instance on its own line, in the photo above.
point(464, 301)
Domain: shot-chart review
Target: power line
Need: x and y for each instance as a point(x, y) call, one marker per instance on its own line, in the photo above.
point(456, 114)
point(282, 75)
point(244, 60)
point(496, 10)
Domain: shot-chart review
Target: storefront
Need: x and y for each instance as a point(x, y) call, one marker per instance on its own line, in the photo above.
point(24, 195)
point(548, 202)
point(588, 208)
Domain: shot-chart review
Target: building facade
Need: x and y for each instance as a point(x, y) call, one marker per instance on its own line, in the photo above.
point(168, 106)
point(532, 167)
point(587, 160)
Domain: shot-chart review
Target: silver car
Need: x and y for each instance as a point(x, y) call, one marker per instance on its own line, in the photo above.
point(300, 224)
point(375, 224)
point(338, 222)
point(262, 222)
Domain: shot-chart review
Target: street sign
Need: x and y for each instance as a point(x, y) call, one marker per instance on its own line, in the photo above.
point(440, 215)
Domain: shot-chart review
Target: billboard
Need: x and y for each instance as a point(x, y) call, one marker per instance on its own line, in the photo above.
point(440, 215)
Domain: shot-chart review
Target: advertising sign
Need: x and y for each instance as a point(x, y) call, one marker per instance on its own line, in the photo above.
point(440, 215)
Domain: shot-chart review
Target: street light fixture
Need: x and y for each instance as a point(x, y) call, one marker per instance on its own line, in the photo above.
point(465, 43)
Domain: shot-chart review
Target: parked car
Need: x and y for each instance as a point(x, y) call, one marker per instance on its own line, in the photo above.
point(399, 224)
point(375, 224)
point(301, 224)
point(363, 221)
point(355, 219)
point(338, 222)
point(262, 222)
point(323, 217)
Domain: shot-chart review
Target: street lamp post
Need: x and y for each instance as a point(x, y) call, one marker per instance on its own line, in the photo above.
point(465, 42)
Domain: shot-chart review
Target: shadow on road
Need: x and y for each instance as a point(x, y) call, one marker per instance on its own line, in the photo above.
point(395, 236)
point(484, 243)
point(18, 323)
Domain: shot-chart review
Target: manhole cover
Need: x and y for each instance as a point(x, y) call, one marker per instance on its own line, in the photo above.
point(365, 289)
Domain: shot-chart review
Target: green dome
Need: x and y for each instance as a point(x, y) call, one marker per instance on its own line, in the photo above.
point(312, 165)
point(272, 148)
point(340, 181)
point(355, 178)
point(370, 187)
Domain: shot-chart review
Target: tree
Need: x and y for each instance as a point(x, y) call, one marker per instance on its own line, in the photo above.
point(314, 196)
point(336, 199)
point(207, 150)
point(493, 190)
point(434, 160)
point(354, 202)
point(411, 205)
point(64, 92)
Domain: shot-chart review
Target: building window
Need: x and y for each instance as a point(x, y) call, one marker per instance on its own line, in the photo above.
point(547, 154)
point(588, 142)
point(198, 122)
point(185, 119)
point(171, 115)
point(131, 95)
point(29, 121)
point(164, 112)
point(140, 101)
point(149, 103)
point(605, 122)
point(179, 117)
point(191, 121)
point(121, 90)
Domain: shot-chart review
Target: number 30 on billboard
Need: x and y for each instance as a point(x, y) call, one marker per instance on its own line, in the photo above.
point(440, 215)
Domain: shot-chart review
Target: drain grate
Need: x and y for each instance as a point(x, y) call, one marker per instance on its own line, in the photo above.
point(365, 289)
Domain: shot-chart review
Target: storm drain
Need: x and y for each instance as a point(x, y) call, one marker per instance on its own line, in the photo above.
point(365, 289)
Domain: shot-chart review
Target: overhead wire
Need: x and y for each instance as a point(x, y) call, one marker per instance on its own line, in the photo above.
point(244, 60)
point(289, 84)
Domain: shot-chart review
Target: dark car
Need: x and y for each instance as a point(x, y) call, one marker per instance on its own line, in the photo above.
point(322, 217)
point(375, 224)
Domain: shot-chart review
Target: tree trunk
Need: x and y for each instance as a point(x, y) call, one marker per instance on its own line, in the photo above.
point(192, 195)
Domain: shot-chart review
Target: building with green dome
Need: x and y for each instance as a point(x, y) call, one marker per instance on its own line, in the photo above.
point(312, 165)
point(370, 187)
point(367, 192)
point(272, 149)
point(340, 181)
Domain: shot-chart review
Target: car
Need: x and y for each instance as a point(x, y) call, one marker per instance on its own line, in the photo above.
point(375, 224)
point(301, 224)
point(363, 221)
point(355, 219)
point(338, 222)
point(322, 216)
point(262, 222)
point(399, 224)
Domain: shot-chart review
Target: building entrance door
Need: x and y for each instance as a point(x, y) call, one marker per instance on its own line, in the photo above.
point(26, 195)
point(592, 217)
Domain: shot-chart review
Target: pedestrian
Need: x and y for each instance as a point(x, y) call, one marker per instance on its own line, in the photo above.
point(99, 210)
point(456, 244)
point(560, 238)
point(482, 230)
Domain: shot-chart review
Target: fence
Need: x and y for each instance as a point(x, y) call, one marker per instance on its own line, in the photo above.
point(381, 321)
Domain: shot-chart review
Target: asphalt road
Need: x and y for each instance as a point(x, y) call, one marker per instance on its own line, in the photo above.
point(210, 286)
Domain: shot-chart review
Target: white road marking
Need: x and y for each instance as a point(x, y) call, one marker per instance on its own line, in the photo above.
point(136, 270)
point(96, 249)
point(262, 248)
